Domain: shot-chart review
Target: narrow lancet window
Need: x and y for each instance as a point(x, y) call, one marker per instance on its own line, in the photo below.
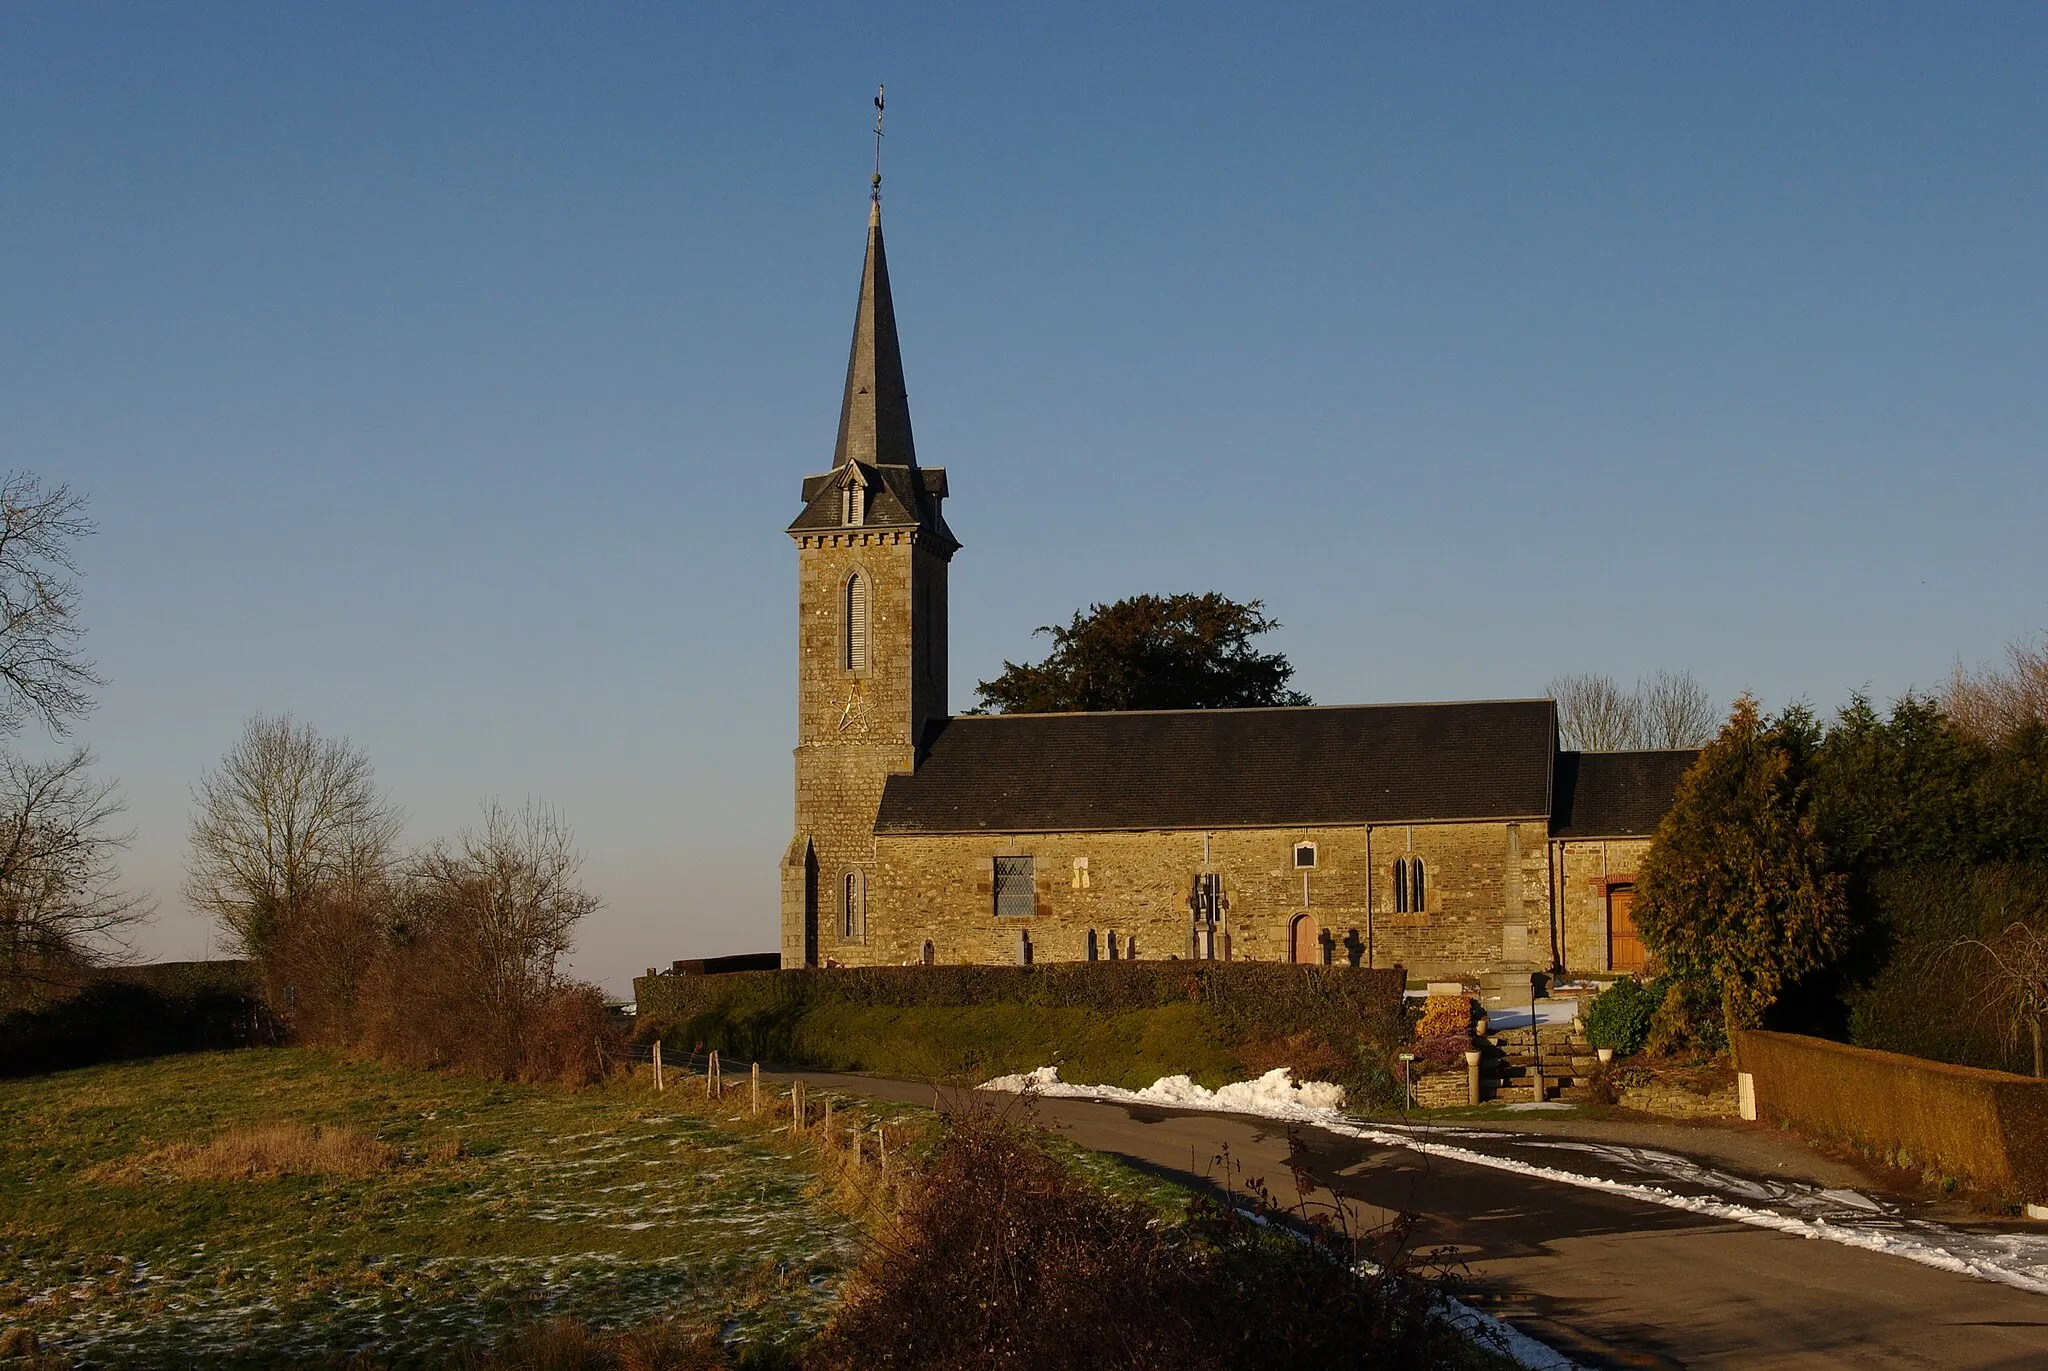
point(857, 622)
point(1400, 885)
point(1415, 886)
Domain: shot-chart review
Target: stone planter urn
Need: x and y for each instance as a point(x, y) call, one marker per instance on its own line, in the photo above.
point(1606, 1055)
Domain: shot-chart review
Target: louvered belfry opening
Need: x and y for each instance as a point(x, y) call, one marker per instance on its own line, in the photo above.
point(857, 622)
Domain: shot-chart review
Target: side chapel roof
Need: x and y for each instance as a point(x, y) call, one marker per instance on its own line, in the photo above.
point(1616, 794)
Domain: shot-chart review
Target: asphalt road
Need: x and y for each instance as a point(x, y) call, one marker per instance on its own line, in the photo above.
point(1607, 1280)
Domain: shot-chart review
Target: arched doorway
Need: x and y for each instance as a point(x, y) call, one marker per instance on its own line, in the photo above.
point(810, 905)
point(1303, 944)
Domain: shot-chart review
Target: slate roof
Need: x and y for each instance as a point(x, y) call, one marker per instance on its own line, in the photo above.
point(1616, 794)
point(875, 445)
point(1228, 768)
point(898, 497)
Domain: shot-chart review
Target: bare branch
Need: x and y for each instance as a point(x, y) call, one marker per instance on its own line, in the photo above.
point(1594, 714)
point(1673, 710)
point(60, 909)
point(1991, 703)
point(287, 819)
point(42, 675)
point(1670, 709)
point(2013, 980)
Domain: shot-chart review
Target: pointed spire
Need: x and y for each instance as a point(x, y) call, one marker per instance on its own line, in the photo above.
point(874, 416)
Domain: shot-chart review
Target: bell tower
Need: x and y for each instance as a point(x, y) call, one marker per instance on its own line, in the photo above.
point(872, 552)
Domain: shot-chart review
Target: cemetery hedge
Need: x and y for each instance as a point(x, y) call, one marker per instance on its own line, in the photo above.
point(1121, 1023)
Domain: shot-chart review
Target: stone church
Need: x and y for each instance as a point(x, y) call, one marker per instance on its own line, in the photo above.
point(1452, 839)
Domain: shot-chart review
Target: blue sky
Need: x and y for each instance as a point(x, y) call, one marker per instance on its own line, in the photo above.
point(444, 375)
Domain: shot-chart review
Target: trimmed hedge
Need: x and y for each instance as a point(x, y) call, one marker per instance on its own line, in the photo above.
point(1989, 1126)
point(1202, 1018)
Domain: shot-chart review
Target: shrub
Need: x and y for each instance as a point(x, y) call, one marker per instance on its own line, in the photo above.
point(1926, 998)
point(1444, 1014)
point(1619, 1016)
point(1689, 1021)
point(1002, 1259)
point(1442, 1051)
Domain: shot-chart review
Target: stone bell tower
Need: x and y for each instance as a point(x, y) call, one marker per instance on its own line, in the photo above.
point(872, 552)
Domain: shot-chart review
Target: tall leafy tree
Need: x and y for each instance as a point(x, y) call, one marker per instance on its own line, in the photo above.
point(1150, 652)
point(1738, 892)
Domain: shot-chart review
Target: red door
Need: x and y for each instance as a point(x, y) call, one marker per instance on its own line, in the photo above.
point(1625, 951)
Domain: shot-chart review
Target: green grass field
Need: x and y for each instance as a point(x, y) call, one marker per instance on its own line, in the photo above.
point(505, 1204)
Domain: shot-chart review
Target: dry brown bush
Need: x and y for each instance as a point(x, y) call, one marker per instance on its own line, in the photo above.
point(314, 968)
point(266, 1152)
point(1000, 1258)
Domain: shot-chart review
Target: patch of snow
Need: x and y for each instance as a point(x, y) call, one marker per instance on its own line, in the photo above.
point(1511, 1015)
point(1274, 1095)
point(1847, 1217)
point(1529, 1106)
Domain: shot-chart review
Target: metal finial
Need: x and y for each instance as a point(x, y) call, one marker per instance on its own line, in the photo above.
point(875, 194)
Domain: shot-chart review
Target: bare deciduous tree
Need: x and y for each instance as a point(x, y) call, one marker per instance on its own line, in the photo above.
point(288, 818)
point(42, 675)
point(59, 905)
point(492, 915)
point(1991, 703)
point(1593, 713)
point(1670, 709)
point(1674, 711)
point(2016, 991)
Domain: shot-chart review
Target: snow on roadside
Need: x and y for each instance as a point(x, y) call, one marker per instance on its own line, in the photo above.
point(2018, 1260)
point(1272, 1096)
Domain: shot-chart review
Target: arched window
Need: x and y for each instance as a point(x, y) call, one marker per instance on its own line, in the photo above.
point(1400, 885)
point(856, 622)
point(930, 956)
point(1091, 945)
point(1415, 901)
point(849, 906)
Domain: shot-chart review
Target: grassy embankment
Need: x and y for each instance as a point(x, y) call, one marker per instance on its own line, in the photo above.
point(428, 1211)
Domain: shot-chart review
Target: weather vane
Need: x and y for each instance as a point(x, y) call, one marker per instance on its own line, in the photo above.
point(876, 193)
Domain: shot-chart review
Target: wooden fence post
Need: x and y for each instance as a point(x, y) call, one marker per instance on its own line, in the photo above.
point(825, 1130)
point(757, 1090)
point(657, 1066)
point(713, 1087)
point(796, 1108)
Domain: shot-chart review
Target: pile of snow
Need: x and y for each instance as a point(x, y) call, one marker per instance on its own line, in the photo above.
point(1274, 1095)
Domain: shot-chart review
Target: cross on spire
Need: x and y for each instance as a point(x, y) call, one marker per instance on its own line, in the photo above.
point(875, 193)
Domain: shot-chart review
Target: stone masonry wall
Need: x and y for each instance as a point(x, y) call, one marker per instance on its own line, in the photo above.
point(1138, 885)
point(856, 727)
point(1585, 870)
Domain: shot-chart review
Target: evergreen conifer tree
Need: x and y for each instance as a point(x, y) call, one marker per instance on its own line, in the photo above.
point(1737, 893)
